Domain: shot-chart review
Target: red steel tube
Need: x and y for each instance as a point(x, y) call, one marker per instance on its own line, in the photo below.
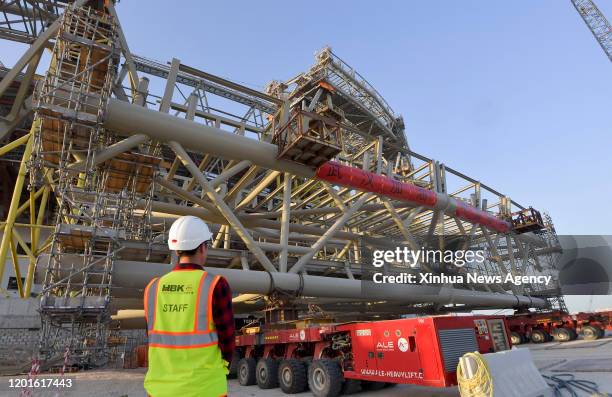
point(130, 119)
point(342, 175)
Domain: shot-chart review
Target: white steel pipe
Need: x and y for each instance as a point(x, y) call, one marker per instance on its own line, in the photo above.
point(258, 282)
point(131, 277)
point(127, 118)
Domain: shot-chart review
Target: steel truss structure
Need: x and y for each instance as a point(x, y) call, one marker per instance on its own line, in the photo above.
point(301, 184)
point(597, 24)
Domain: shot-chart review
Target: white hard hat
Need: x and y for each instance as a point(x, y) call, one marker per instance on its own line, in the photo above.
point(187, 233)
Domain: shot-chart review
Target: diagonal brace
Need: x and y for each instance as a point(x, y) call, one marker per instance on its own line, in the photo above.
point(222, 206)
point(329, 233)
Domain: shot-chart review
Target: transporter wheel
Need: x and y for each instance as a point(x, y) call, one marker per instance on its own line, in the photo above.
point(267, 373)
point(590, 332)
point(351, 386)
point(246, 372)
point(538, 336)
point(562, 335)
point(292, 376)
point(515, 338)
point(574, 334)
point(372, 386)
point(233, 366)
point(325, 378)
point(306, 361)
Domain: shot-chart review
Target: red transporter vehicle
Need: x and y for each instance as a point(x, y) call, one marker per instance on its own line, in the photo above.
point(592, 325)
point(540, 327)
point(557, 325)
point(332, 358)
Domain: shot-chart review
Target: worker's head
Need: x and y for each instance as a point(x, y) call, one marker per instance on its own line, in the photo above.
point(190, 237)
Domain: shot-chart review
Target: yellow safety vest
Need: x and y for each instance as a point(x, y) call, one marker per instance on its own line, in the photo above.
point(184, 355)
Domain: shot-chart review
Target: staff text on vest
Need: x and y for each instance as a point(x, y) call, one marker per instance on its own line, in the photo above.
point(169, 307)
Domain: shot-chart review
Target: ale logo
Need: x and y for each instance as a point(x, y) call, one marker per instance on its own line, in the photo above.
point(402, 344)
point(384, 345)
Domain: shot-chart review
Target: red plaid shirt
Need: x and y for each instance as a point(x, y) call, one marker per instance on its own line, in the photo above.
point(223, 315)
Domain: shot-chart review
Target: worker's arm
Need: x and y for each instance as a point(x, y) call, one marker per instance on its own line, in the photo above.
point(223, 316)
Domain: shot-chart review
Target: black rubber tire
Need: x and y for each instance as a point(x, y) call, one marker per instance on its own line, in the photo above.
point(233, 366)
point(351, 386)
point(515, 338)
point(266, 373)
point(539, 336)
point(292, 376)
point(574, 334)
point(590, 332)
point(372, 386)
point(306, 361)
point(325, 378)
point(246, 372)
point(562, 335)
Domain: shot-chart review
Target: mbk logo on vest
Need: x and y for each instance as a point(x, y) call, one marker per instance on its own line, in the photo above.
point(179, 288)
point(173, 288)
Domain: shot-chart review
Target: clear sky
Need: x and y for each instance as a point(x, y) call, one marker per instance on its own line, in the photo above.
point(517, 94)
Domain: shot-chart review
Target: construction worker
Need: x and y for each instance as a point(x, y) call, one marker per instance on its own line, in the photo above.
point(189, 320)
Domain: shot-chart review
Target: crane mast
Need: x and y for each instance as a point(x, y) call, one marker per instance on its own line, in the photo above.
point(597, 23)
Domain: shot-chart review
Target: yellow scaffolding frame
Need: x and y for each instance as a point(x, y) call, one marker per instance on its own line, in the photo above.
point(11, 238)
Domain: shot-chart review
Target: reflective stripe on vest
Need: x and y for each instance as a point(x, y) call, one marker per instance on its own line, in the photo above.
point(150, 295)
point(203, 333)
point(177, 341)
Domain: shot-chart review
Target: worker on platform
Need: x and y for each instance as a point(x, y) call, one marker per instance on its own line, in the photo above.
point(189, 320)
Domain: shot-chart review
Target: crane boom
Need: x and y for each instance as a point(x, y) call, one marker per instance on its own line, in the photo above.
point(597, 23)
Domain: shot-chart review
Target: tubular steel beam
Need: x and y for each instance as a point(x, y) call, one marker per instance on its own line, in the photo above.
point(184, 194)
point(130, 119)
point(7, 236)
point(119, 147)
point(329, 234)
point(230, 84)
point(268, 179)
point(285, 217)
point(129, 60)
point(36, 47)
point(113, 150)
point(227, 174)
point(12, 145)
point(35, 247)
point(252, 222)
point(24, 86)
point(222, 206)
point(132, 276)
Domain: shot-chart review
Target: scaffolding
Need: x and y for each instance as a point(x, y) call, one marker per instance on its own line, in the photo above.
point(96, 201)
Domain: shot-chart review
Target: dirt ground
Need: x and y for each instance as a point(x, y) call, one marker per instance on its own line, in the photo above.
point(590, 360)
